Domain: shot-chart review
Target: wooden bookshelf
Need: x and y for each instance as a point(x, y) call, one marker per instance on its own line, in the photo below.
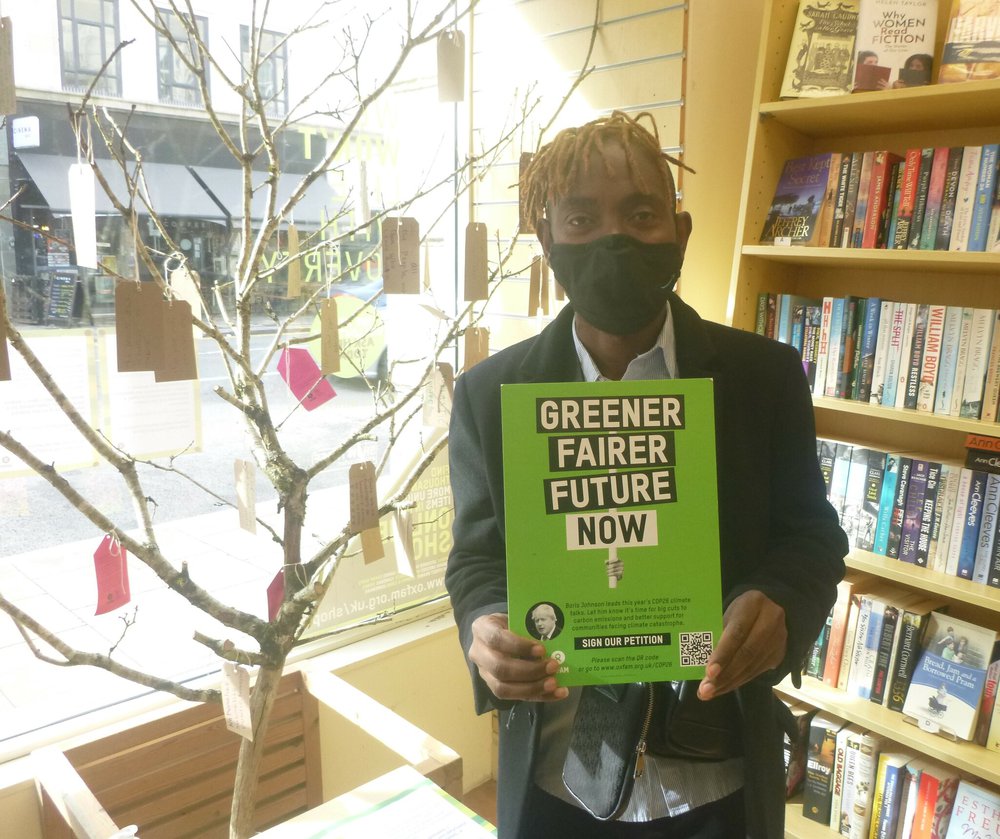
point(960, 114)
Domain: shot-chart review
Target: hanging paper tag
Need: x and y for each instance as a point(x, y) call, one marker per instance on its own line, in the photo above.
point(275, 594)
point(477, 346)
point(543, 291)
point(294, 287)
point(246, 493)
point(427, 267)
point(236, 699)
point(364, 509)
point(524, 224)
point(186, 285)
point(438, 395)
point(4, 357)
point(302, 375)
point(402, 533)
point(476, 269)
point(329, 336)
point(364, 211)
point(179, 363)
point(111, 568)
point(401, 256)
point(534, 286)
point(83, 208)
point(8, 101)
point(451, 66)
point(138, 326)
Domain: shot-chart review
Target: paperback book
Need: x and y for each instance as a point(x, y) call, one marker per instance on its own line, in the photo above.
point(792, 219)
point(610, 489)
point(821, 52)
point(895, 44)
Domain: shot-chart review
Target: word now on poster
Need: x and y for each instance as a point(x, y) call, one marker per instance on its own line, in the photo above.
point(612, 526)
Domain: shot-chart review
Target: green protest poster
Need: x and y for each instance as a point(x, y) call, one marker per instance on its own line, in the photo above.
point(612, 526)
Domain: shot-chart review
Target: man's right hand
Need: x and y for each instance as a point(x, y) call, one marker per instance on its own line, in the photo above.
point(513, 667)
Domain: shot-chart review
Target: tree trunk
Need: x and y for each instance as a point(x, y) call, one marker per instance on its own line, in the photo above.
point(252, 752)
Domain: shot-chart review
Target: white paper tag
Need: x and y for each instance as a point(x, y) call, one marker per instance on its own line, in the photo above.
point(437, 398)
point(183, 286)
point(236, 699)
point(83, 207)
point(402, 533)
point(246, 493)
point(783, 241)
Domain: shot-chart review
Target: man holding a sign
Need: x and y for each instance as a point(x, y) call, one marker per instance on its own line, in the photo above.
point(602, 201)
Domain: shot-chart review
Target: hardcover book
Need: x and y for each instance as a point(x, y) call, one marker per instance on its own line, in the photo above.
point(599, 475)
point(895, 44)
point(797, 199)
point(822, 48)
point(947, 685)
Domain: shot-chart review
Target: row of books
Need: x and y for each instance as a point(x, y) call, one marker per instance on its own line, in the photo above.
point(926, 357)
point(864, 787)
point(950, 668)
point(857, 45)
point(932, 198)
point(940, 516)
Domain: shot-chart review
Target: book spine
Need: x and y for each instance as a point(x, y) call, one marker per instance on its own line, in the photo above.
point(862, 643)
point(927, 515)
point(944, 512)
point(931, 358)
point(865, 769)
point(835, 346)
point(851, 201)
point(948, 359)
point(991, 389)
point(838, 629)
point(987, 530)
point(972, 521)
point(986, 186)
point(878, 193)
point(870, 502)
point(881, 353)
point(817, 789)
point(907, 653)
point(880, 678)
point(920, 199)
point(886, 497)
point(916, 356)
point(965, 198)
point(958, 524)
point(935, 193)
point(889, 814)
point(993, 575)
point(913, 511)
point(760, 327)
point(949, 195)
point(961, 361)
point(869, 338)
point(839, 201)
point(907, 200)
point(989, 701)
point(899, 508)
point(850, 640)
point(849, 342)
point(975, 372)
point(894, 353)
point(823, 349)
point(861, 208)
point(887, 231)
point(905, 354)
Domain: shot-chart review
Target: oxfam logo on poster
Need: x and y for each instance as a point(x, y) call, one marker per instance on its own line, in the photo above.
point(361, 334)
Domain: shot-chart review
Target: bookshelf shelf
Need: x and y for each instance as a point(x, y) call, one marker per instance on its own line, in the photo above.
point(966, 757)
point(935, 115)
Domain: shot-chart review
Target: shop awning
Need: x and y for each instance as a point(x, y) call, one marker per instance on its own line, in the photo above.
point(319, 203)
point(173, 191)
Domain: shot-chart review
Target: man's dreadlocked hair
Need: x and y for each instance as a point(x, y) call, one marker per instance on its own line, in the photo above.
point(553, 170)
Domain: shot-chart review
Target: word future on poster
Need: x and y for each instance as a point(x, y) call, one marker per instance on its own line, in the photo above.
point(612, 526)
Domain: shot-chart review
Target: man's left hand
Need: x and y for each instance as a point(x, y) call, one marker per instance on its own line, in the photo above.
point(753, 641)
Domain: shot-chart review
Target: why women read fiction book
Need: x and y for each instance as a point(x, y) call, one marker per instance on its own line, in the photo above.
point(895, 44)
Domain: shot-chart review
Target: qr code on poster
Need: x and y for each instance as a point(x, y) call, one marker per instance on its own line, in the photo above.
point(695, 648)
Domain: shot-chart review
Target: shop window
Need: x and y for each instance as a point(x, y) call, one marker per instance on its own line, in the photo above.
point(177, 83)
point(272, 70)
point(88, 34)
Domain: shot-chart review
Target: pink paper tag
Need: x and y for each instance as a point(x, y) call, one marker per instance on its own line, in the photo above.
point(275, 594)
point(111, 567)
point(302, 375)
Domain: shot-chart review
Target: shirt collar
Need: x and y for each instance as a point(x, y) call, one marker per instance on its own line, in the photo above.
point(658, 362)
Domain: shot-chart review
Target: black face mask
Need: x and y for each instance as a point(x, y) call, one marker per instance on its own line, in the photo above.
point(617, 283)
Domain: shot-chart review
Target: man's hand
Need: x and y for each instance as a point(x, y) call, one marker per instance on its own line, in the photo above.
point(512, 667)
point(753, 641)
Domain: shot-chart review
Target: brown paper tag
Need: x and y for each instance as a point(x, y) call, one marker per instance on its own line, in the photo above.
point(544, 288)
point(139, 326)
point(246, 494)
point(477, 346)
point(179, 363)
point(451, 66)
point(4, 357)
point(371, 544)
point(8, 101)
point(364, 496)
point(329, 338)
point(476, 269)
point(294, 288)
point(524, 224)
point(400, 256)
point(534, 286)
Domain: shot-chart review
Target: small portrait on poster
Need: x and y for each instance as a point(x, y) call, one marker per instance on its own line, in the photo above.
point(544, 621)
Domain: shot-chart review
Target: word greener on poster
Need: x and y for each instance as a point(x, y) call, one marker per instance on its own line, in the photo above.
point(612, 526)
